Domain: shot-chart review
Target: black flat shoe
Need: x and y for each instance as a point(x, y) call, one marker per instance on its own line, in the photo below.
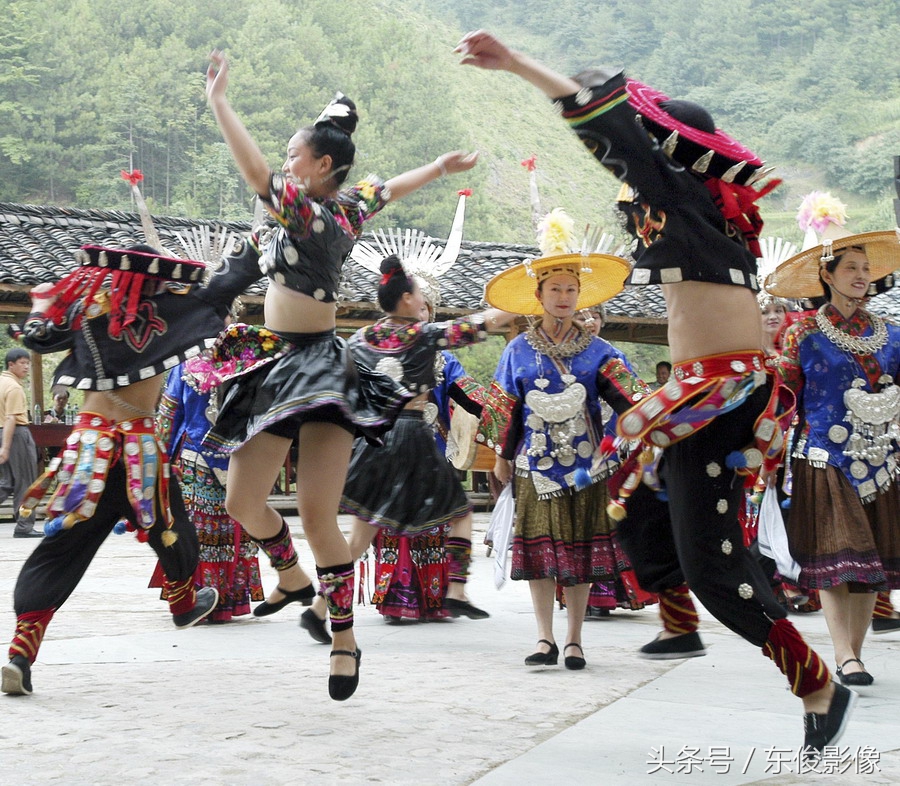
point(462, 608)
point(574, 662)
point(303, 595)
point(15, 677)
point(826, 729)
point(340, 686)
point(205, 604)
point(858, 678)
point(885, 625)
point(544, 658)
point(315, 627)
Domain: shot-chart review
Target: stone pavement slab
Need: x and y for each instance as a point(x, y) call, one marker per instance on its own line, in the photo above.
point(122, 697)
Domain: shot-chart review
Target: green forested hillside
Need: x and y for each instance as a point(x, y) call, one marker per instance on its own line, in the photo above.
point(91, 87)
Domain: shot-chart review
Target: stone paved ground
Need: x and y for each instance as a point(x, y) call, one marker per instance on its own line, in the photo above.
point(121, 697)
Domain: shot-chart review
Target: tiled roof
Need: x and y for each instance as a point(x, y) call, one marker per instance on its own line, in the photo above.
point(37, 244)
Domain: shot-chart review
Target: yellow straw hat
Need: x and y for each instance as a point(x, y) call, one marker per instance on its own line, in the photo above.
point(798, 277)
point(600, 276)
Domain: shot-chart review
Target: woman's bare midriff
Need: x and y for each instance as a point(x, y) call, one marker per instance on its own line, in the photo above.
point(294, 312)
point(143, 395)
point(709, 319)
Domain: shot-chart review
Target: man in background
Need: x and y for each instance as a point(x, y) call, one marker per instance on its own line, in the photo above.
point(18, 454)
point(57, 413)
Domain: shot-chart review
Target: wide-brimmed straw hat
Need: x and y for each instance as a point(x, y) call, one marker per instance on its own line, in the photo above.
point(798, 276)
point(601, 276)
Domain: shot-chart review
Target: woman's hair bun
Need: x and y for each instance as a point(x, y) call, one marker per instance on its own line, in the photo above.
point(390, 264)
point(340, 113)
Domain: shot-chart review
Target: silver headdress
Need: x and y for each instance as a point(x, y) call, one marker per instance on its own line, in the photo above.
point(417, 252)
point(774, 251)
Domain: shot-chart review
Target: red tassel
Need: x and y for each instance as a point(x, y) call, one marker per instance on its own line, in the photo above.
point(466, 192)
point(361, 592)
point(134, 177)
point(530, 163)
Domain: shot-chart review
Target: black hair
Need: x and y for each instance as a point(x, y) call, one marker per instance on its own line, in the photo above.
point(331, 135)
point(664, 364)
point(831, 266)
point(16, 353)
point(394, 283)
point(690, 114)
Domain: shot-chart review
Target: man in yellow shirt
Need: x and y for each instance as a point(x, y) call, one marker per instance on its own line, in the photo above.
point(18, 454)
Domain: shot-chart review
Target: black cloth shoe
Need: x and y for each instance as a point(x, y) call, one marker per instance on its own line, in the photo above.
point(207, 598)
point(340, 686)
point(885, 625)
point(544, 658)
point(303, 595)
point(858, 678)
point(574, 662)
point(30, 534)
point(462, 608)
point(822, 730)
point(16, 677)
point(315, 627)
point(688, 645)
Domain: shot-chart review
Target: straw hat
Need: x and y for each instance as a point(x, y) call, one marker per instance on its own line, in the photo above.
point(600, 275)
point(798, 277)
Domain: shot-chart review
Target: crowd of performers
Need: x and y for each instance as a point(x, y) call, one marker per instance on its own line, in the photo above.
point(652, 498)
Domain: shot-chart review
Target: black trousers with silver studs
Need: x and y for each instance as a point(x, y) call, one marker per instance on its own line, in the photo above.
point(696, 536)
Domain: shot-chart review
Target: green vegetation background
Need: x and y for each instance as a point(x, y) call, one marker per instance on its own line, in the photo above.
point(92, 87)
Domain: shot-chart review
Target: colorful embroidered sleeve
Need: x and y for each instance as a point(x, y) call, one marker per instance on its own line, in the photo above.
point(169, 414)
point(619, 386)
point(788, 370)
point(362, 201)
point(459, 333)
point(501, 420)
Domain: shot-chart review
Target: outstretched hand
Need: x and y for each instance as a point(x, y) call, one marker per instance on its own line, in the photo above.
point(216, 75)
point(456, 161)
point(39, 301)
point(480, 48)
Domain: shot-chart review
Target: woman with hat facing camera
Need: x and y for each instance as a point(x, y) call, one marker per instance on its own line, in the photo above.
point(692, 212)
point(544, 419)
point(843, 363)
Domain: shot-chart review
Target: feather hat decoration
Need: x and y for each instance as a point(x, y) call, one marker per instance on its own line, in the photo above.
point(600, 274)
point(822, 217)
point(418, 253)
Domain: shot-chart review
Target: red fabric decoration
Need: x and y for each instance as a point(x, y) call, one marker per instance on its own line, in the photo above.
point(134, 177)
point(466, 192)
point(805, 670)
point(738, 205)
point(529, 163)
point(385, 277)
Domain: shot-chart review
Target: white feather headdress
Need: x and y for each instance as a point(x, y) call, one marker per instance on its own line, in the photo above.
point(417, 252)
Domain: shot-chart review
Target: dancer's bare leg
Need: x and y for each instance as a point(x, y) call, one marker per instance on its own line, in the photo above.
point(576, 606)
point(361, 536)
point(848, 615)
point(323, 455)
point(460, 528)
point(543, 597)
point(252, 472)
